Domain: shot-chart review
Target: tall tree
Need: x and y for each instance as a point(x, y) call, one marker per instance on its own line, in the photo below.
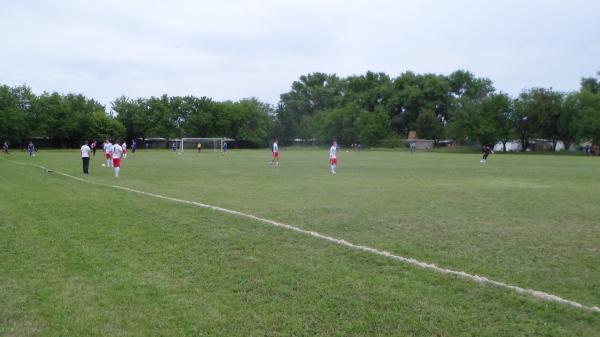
point(310, 94)
point(134, 116)
point(569, 128)
point(537, 112)
point(414, 93)
point(484, 120)
point(590, 115)
point(201, 120)
point(429, 125)
point(13, 126)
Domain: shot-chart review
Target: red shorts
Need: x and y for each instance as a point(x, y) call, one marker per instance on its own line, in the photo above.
point(116, 162)
point(275, 154)
point(108, 156)
point(333, 161)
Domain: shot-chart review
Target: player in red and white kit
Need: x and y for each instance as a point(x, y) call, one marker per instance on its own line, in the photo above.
point(275, 150)
point(117, 152)
point(108, 152)
point(333, 157)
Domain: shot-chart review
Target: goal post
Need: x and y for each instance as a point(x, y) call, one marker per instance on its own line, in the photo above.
point(207, 144)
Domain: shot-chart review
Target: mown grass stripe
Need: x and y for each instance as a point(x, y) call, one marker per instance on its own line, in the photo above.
point(430, 266)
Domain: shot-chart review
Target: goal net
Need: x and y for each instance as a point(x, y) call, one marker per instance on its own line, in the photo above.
point(201, 144)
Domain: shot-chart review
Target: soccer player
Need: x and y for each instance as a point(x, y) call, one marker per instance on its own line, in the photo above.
point(124, 146)
point(108, 152)
point(486, 152)
point(133, 147)
point(174, 147)
point(93, 146)
point(85, 157)
point(413, 147)
point(333, 157)
point(5, 147)
point(30, 149)
point(199, 147)
point(117, 151)
point(224, 148)
point(275, 150)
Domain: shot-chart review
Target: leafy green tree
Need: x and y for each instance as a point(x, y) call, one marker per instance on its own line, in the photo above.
point(372, 126)
point(162, 117)
point(494, 122)
point(590, 84)
point(133, 115)
point(104, 126)
point(569, 128)
point(549, 104)
point(464, 85)
point(201, 119)
point(429, 126)
point(58, 122)
point(254, 124)
point(13, 126)
point(310, 94)
point(503, 111)
point(479, 121)
point(537, 113)
point(338, 124)
point(475, 113)
point(414, 93)
point(368, 91)
point(590, 115)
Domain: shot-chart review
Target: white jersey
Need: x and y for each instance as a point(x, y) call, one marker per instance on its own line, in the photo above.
point(117, 150)
point(333, 152)
point(108, 148)
point(275, 147)
point(85, 151)
point(124, 146)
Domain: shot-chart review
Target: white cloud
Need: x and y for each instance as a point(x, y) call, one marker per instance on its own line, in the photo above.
point(236, 49)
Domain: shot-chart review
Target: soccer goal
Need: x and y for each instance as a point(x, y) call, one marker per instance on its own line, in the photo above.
point(201, 144)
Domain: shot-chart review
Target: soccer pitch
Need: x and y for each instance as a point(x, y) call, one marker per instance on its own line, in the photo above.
point(88, 259)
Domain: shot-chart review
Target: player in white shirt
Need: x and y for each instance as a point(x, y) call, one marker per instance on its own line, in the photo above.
point(124, 146)
point(85, 157)
point(275, 150)
point(333, 157)
point(117, 151)
point(108, 152)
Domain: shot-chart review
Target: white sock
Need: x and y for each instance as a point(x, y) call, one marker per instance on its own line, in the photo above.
point(117, 171)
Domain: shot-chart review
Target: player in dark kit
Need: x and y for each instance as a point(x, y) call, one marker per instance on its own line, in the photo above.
point(486, 152)
point(31, 149)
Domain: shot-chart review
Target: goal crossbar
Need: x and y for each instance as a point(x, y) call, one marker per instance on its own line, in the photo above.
point(216, 144)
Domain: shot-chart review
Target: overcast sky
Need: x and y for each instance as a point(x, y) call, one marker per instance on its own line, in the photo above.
point(252, 48)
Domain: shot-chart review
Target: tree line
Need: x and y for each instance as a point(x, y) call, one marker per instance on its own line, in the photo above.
point(373, 109)
point(67, 120)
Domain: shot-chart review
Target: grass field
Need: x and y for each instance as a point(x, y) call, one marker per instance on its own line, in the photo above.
point(79, 259)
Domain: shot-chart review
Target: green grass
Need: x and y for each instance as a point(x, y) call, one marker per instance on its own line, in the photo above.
point(80, 259)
